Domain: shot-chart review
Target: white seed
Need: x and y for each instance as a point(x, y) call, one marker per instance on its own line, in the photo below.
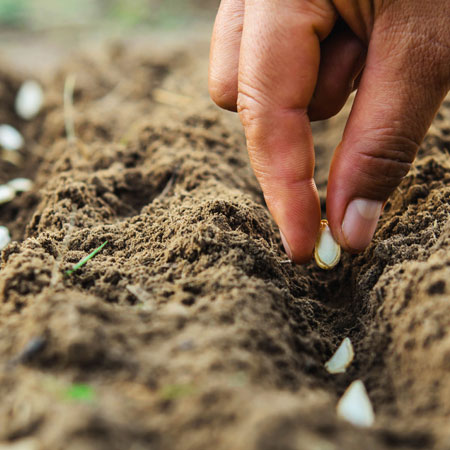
point(327, 252)
point(21, 184)
point(355, 406)
point(7, 193)
point(341, 358)
point(5, 238)
point(29, 99)
point(10, 138)
point(21, 444)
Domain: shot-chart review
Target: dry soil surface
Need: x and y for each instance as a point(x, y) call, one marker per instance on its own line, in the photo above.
point(190, 329)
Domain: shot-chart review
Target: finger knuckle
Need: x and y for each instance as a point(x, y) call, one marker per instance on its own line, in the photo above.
point(384, 174)
point(387, 160)
point(250, 106)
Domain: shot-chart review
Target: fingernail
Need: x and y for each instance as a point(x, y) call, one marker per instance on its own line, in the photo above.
point(287, 249)
point(360, 222)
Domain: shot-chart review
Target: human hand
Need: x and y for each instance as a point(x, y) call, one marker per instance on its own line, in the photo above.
point(282, 63)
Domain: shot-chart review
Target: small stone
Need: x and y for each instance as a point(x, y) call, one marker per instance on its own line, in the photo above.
point(10, 138)
point(355, 406)
point(29, 99)
point(342, 358)
point(5, 238)
point(7, 193)
point(21, 184)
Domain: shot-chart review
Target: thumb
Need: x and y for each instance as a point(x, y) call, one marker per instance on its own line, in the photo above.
point(405, 79)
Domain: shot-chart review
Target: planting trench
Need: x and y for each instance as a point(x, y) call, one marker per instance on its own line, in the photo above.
point(190, 329)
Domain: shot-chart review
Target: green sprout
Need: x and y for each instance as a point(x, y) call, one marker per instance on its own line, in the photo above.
point(175, 391)
point(74, 392)
point(80, 393)
point(85, 260)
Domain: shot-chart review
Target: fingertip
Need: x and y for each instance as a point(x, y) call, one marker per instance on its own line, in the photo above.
point(301, 255)
point(298, 217)
point(354, 203)
point(278, 66)
point(337, 201)
point(302, 252)
point(359, 224)
point(224, 91)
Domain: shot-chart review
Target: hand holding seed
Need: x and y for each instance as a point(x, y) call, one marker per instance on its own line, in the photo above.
point(282, 63)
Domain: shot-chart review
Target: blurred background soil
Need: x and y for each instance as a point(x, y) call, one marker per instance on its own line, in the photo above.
point(190, 329)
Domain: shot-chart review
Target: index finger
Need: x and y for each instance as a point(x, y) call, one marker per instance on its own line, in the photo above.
point(278, 67)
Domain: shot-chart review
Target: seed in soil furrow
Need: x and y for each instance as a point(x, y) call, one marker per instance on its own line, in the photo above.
point(327, 252)
point(10, 138)
point(342, 358)
point(20, 184)
point(355, 406)
point(5, 238)
point(7, 193)
point(29, 99)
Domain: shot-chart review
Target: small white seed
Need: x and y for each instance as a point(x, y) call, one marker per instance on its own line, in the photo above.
point(29, 99)
point(342, 358)
point(7, 193)
point(10, 138)
point(327, 252)
point(21, 184)
point(355, 406)
point(5, 238)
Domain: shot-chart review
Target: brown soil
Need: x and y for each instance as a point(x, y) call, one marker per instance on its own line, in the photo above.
point(190, 326)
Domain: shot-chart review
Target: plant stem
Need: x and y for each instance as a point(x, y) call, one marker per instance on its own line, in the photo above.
point(69, 87)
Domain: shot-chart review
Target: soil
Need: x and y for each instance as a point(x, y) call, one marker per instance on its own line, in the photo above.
point(190, 329)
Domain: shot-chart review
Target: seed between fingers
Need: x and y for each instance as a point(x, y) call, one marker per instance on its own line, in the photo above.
point(327, 252)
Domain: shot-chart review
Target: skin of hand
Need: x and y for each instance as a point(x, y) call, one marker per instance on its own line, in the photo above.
point(282, 63)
